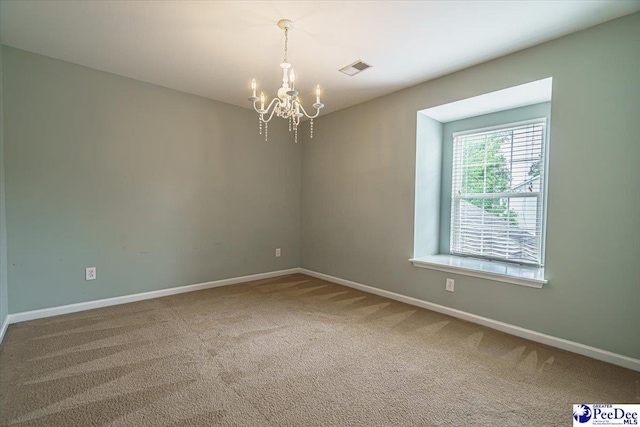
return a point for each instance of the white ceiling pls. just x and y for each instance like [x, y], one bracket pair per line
[213, 49]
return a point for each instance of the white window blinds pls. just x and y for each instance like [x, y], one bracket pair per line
[497, 192]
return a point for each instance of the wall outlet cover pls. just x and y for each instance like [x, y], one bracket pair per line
[450, 285]
[90, 273]
[278, 252]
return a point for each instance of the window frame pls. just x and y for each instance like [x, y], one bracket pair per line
[541, 194]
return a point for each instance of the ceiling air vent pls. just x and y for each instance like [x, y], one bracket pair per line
[355, 68]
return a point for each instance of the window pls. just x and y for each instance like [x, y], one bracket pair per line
[480, 189]
[497, 192]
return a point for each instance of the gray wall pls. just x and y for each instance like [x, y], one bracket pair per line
[154, 187]
[359, 181]
[4, 306]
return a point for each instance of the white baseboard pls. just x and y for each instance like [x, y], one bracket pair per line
[585, 350]
[3, 328]
[89, 305]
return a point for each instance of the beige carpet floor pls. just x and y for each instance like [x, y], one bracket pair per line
[292, 350]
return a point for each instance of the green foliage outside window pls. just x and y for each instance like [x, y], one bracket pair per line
[486, 171]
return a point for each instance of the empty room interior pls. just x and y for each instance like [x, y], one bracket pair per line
[384, 213]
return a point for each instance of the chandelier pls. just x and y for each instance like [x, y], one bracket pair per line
[286, 104]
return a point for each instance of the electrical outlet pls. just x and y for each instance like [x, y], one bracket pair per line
[450, 285]
[278, 252]
[90, 273]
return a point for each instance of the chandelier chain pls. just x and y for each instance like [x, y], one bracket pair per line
[286, 44]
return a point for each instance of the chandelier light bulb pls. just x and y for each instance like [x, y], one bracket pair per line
[286, 104]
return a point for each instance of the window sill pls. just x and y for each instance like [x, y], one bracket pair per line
[485, 269]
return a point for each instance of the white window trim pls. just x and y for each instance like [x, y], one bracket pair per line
[499, 271]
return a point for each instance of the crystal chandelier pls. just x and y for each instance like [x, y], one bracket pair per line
[287, 104]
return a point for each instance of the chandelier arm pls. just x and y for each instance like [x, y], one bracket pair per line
[307, 114]
[267, 110]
